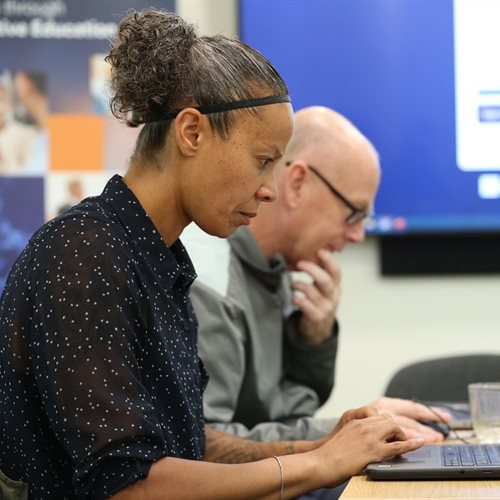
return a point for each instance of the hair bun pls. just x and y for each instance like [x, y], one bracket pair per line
[148, 58]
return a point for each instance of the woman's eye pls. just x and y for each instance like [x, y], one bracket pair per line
[265, 161]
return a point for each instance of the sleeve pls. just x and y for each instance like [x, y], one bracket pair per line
[86, 361]
[312, 366]
[221, 346]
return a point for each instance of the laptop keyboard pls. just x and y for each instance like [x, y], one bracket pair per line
[471, 455]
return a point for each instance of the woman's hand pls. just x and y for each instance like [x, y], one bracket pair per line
[361, 437]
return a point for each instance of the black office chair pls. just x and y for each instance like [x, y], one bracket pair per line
[444, 379]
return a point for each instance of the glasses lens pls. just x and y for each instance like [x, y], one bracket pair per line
[358, 216]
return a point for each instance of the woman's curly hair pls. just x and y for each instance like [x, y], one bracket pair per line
[160, 63]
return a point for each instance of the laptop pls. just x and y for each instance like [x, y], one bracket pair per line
[453, 461]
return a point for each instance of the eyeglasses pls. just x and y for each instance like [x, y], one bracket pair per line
[357, 214]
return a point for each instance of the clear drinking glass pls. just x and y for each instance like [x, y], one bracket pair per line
[484, 399]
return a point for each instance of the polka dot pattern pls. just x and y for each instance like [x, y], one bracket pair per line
[99, 371]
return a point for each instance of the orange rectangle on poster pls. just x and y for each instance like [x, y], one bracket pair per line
[76, 142]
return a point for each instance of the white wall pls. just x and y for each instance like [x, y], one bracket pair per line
[211, 16]
[387, 322]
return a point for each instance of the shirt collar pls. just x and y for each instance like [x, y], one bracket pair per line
[246, 247]
[169, 263]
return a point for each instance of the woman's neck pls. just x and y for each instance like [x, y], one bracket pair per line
[156, 191]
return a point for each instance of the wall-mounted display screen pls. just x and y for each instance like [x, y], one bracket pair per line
[420, 78]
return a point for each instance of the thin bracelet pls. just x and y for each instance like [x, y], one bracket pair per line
[282, 476]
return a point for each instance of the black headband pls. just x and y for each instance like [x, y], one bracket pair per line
[217, 108]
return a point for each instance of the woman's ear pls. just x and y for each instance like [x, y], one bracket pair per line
[293, 187]
[190, 130]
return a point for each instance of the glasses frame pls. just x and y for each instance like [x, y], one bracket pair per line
[357, 214]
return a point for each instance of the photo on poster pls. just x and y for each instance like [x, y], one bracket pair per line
[100, 83]
[66, 189]
[24, 109]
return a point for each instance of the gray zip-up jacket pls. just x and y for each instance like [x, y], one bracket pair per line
[264, 383]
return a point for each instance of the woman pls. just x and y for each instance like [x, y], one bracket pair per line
[101, 384]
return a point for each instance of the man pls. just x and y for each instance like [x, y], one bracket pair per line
[269, 344]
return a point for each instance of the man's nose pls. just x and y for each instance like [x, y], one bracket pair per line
[356, 232]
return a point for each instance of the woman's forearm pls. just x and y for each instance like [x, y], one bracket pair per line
[229, 449]
[189, 479]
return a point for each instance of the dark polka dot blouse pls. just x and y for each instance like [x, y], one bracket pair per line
[99, 372]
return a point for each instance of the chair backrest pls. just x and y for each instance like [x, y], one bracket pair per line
[444, 379]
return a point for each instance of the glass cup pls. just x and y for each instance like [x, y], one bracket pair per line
[484, 399]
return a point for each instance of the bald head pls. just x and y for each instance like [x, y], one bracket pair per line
[325, 148]
[325, 138]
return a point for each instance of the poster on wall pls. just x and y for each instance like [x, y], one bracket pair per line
[59, 143]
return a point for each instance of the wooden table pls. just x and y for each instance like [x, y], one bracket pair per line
[361, 488]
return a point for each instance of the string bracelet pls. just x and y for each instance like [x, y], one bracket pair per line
[282, 476]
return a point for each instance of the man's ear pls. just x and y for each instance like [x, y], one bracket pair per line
[190, 129]
[295, 176]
